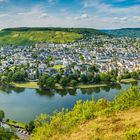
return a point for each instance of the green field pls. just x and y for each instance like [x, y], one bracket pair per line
[26, 85]
[131, 80]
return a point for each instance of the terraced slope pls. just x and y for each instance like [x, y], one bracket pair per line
[27, 36]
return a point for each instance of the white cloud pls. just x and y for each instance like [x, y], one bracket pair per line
[101, 15]
[4, 15]
[83, 16]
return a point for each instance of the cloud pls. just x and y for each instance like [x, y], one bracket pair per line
[83, 16]
[4, 15]
[44, 15]
[35, 12]
[92, 13]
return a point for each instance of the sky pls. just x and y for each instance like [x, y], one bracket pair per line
[98, 14]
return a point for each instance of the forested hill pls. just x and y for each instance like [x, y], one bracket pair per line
[27, 36]
[75, 30]
[126, 32]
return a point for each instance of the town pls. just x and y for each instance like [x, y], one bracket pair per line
[103, 52]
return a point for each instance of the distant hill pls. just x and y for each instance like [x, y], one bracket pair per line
[26, 36]
[126, 32]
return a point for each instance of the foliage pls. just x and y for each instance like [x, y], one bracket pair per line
[64, 81]
[74, 83]
[105, 77]
[128, 32]
[30, 127]
[7, 135]
[18, 77]
[127, 99]
[46, 82]
[132, 134]
[2, 115]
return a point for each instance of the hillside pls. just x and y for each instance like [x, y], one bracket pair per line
[113, 127]
[27, 36]
[101, 120]
[126, 32]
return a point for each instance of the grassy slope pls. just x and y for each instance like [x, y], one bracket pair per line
[25, 36]
[105, 128]
[31, 37]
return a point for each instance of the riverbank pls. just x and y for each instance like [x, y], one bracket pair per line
[34, 85]
[126, 81]
[15, 123]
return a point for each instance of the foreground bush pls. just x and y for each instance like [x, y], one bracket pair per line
[132, 135]
[7, 135]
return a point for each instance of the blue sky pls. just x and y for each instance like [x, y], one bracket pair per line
[100, 14]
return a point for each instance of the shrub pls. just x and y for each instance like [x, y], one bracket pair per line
[132, 134]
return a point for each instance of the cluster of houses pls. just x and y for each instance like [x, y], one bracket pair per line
[103, 52]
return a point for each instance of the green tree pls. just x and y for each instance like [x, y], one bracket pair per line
[42, 81]
[18, 76]
[119, 78]
[74, 83]
[2, 115]
[50, 83]
[64, 81]
[30, 127]
[84, 78]
[105, 77]
[134, 75]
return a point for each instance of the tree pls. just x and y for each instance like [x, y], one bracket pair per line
[134, 75]
[30, 127]
[2, 115]
[64, 81]
[42, 81]
[93, 69]
[4, 80]
[18, 76]
[57, 77]
[84, 78]
[82, 58]
[74, 83]
[119, 78]
[50, 83]
[10, 74]
[105, 77]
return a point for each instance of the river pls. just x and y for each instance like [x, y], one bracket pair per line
[24, 105]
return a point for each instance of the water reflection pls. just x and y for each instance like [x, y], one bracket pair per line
[9, 90]
[72, 92]
[47, 93]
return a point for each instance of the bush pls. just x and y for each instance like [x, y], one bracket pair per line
[127, 99]
[132, 135]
